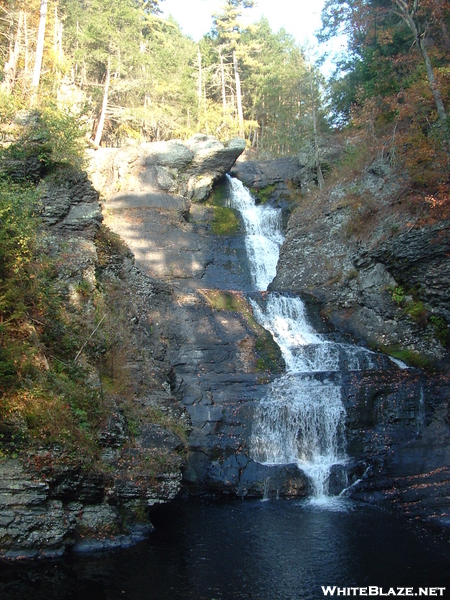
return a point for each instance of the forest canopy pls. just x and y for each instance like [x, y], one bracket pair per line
[126, 73]
[393, 81]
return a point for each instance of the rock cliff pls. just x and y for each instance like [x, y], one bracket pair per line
[375, 266]
[378, 266]
[187, 363]
[52, 498]
[169, 338]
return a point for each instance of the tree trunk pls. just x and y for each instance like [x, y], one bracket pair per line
[10, 68]
[320, 179]
[224, 98]
[58, 37]
[205, 107]
[101, 122]
[40, 44]
[433, 84]
[27, 53]
[199, 79]
[238, 96]
[408, 17]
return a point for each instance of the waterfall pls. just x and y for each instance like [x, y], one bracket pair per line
[263, 236]
[301, 418]
[301, 421]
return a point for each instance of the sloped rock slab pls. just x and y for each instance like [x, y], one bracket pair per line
[147, 200]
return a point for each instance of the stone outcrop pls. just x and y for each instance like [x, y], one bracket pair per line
[398, 437]
[51, 500]
[261, 174]
[370, 264]
[188, 169]
[166, 336]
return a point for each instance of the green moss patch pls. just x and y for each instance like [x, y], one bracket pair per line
[409, 357]
[232, 301]
[219, 195]
[225, 221]
[267, 351]
[264, 194]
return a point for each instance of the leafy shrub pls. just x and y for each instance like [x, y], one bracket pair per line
[398, 294]
[441, 329]
[45, 138]
[418, 312]
[18, 243]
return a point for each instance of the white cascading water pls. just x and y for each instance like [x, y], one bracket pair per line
[301, 419]
[263, 234]
[304, 351]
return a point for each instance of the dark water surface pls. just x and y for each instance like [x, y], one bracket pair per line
[274, 550]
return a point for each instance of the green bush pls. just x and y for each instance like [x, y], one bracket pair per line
[45, 139]
[65, 135]
[441, 329]
[18, 244]
[398, 294]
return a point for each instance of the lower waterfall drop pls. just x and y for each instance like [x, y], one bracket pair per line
[301, 421]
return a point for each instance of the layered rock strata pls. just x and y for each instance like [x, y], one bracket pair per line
[50, 499]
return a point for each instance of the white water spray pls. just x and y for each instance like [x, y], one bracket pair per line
[301, 421]
[303, 350]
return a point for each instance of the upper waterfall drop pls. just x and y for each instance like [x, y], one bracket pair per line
[263, 233]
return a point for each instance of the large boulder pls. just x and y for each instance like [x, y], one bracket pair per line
[189, 169]
[259, 174]
[173, 154]
[212, 156]
[71, 205]
[212, 159]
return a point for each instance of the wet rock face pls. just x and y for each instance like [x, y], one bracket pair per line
[371, 269]
[398, 434]
[278, 181]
